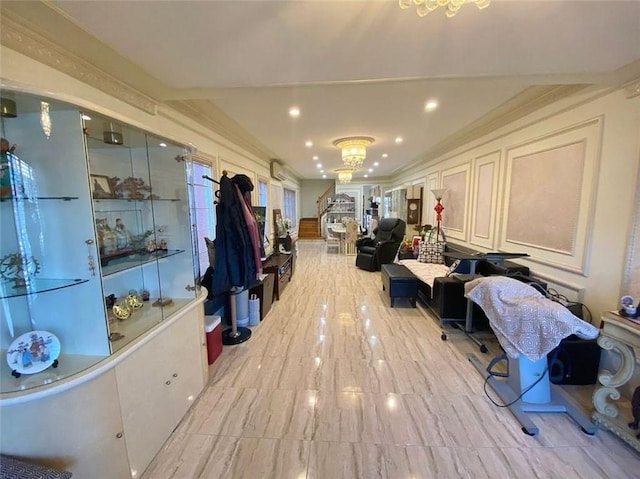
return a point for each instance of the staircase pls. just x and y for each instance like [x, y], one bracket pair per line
[308, 228]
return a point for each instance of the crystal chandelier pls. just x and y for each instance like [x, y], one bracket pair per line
[424, 7]
[354, 150]
[345, 175]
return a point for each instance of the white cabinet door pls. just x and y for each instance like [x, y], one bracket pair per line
[185, 367]
[79, 430]
[157, 384]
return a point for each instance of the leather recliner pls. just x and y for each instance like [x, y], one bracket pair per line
[372, 253]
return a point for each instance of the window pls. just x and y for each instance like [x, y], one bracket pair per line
[289, 207]
[263, 200]
[204, 209]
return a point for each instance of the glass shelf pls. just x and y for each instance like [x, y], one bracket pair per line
[7, 290]
[134, 259]
[98, 200]
[29, 198]
[68, 365]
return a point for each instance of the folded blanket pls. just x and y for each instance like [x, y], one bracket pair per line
[523, 319]
[425, 272]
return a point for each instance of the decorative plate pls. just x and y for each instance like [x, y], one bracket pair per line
[33, 352]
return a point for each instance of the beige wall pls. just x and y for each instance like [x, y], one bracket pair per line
[311, 190]
[603, 180]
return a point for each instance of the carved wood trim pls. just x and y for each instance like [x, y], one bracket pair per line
[27, 42]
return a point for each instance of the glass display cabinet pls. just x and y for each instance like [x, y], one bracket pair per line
[96, 241]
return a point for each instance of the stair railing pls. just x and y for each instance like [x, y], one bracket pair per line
[323, 204]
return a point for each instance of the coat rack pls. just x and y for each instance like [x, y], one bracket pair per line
[236, 334]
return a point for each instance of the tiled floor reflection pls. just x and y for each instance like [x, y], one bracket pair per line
[336, 384]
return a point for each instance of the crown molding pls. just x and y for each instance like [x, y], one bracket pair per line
[632, 90]
[24, 40]
[527, 102]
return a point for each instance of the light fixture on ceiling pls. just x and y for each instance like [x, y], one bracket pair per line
[424, 7]
[112, 133]
[354, 150]
[431, 105]
[345, 175]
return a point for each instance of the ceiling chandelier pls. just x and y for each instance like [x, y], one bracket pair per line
[345, 175]
[424, 7]
[354, 150]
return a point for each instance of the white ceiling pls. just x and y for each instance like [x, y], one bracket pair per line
[359, 67]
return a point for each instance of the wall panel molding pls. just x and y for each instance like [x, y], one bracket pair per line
[486, 170]
[429, 200]
[456, 201]
[553, 176]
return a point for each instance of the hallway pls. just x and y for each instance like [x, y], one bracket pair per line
[335, 384]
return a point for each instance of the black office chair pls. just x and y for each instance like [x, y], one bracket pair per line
[372, 253]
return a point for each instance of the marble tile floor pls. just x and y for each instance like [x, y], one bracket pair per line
[336, 384]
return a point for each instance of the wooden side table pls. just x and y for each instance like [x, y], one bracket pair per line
[281, 266]
[621, 335]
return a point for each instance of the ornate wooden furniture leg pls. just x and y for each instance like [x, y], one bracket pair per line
[621, 336]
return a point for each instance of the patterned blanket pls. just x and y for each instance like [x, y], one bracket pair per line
[426, 272]
[523, 319]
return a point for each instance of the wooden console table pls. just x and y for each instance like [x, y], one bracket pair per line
[621, 335]
[281, 266]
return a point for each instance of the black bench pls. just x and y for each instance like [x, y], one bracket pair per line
[399, 282]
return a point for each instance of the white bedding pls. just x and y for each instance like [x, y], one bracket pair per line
[426, 272]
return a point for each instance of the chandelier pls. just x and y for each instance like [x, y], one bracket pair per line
[354, 150]
[424, 7]
[345, 175]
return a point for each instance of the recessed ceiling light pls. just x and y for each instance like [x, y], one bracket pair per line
[321, 171]
[294, 112]
[370, 170]
[308, 143]
[366, 176]
[431, 105]
[324, 176]
[399, 139]
[318, 165]
[86, 117]
[163, 145]
[315, 158]
[385, 155]
[375, 163]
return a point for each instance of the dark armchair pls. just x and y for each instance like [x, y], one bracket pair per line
[383, 248]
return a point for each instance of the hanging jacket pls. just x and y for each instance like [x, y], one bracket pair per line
[234, 261]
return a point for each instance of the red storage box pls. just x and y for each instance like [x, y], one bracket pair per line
[213, 330]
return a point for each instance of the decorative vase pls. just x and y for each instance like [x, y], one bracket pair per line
[288, 242]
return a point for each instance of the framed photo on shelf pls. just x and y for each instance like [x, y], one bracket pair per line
[415, 245]
[277, 222]
[101, 187]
